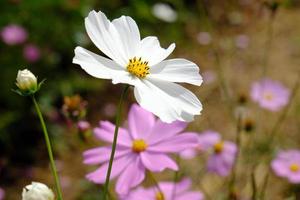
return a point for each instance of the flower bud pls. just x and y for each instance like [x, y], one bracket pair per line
[37, 191]
[26, 81]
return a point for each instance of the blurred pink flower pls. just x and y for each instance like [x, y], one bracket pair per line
[13, 34]
[110, 109]
[204, 38]
[31, 53]
[168, 191]
[242, 41]
[2, 194]
[83, 125]
[144, 145]
[209, 76]
[269, 94]
[287, 164]
[66, 181]
[222, 153]
[205, 141]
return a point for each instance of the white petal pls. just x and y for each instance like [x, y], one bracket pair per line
[176, 70]
[107, 37]
[129, 34]
[167, 100]
[151, 51]
[101, 67]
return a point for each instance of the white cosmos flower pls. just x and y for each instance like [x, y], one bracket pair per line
[37, 191]
[141, 63]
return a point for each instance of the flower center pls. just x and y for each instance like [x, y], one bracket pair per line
[294, 167]
[139, 145]
[159, 196]
[218, 147]
[268, 96]
[138, 67]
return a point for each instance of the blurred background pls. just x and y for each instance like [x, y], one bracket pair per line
[232, 41]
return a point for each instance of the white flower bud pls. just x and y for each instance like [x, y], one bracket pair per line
[26, 81]
[37, 191]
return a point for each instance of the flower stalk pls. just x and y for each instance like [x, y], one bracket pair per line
[114, 144]
[49, 149]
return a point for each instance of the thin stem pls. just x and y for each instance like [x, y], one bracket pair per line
[49, 149]
[284, 113]
[155, 182]
[275, 130]
[253, 185]
[238, 143]
[175, 178]
[268, 43]
[264, 186]
[114, 144]
[219, 68]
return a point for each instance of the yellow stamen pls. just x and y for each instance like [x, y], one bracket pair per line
[218, 147]
[294, 167]
[159, 196]
[268, 96]
[139, 145]
[138, 67]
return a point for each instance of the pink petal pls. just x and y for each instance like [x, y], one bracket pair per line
[133, 175]
[102, 154]
[183, 185]
[207, 139]
[140, 121]
[162, 131]
[106, 133]
[190, 196]
[119, 164]
[294, 177]
[175, 144]
[188, 153]
[157, 162]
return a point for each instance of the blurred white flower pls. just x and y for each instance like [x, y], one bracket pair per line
[37, 191]
[141, 63]
[164, 12]
[26, 81]
[204, 38]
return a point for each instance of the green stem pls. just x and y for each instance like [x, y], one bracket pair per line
[114, 144]
[49, 148]
[175, 178]
[232, 181]
[253, 184]
[155, 181]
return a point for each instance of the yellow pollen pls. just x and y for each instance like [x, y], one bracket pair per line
[159, 196]
[268, 96]
[294, 167]
[218, 147]
[139, 145]
[138, 67]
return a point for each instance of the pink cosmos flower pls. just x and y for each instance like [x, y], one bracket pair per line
[270, 94]
[2, 194]
[168, 191]
[222, 153]
[242, 41]
[206, 141]
[31, 53]
[209, 76]
[13, 34]
[287, 164]
[143, 146]
[83, 125]
[204, 38]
